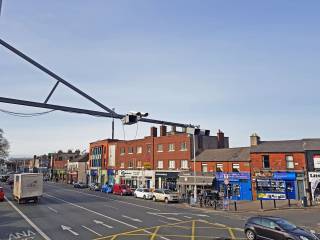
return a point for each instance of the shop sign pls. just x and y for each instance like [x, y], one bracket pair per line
[269, 196]
[235, 176]
[167, 174]
[314, 179]
[316, 161]
[268, 189]
[284, 175]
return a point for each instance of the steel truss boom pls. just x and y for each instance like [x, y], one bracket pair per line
[84, 111]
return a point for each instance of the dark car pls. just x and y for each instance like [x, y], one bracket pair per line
[80, 185]
[94, 187]
[275, 228]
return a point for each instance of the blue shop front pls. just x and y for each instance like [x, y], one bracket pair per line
[280, 186]
[235, 185]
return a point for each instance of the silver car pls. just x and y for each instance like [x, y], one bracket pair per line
[165, 195]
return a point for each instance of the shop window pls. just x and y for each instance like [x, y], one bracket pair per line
[235, 167]
[183, 146]
[160, 164]
[204, 167]
[265, 161]
[289, 161]
[172, 164]
[160, 148]
[130, 164]
[122, 165]
[122, 151]
[149, 148]
[130, 150]
[171, 147]
[139, 164]
[184, 164]
[219, 167]
[139, 149]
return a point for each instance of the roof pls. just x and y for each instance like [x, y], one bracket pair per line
[81, 158]
[311, 144]
[278, 146]
[241, 154]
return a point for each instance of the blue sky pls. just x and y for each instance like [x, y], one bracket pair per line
[239, 66]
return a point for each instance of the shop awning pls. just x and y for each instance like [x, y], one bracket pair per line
[200, 180]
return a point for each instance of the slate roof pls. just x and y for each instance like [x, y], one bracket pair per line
[278, 146]
[311, 144]
[241, 154]
[81, 158]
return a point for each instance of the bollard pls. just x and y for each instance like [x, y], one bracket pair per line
[261, 204]
[235, 206]
[215, 205]
[289, 202]
[274, 203]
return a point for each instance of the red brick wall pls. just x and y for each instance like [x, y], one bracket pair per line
[227, 166]
[60, 164]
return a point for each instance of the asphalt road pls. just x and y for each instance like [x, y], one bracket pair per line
[67, 213]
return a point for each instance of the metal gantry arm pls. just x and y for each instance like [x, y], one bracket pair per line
[109, 112]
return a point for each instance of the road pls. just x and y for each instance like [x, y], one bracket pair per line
[67, 213]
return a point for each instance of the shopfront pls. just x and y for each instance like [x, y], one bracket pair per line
[280, 186]
[166, 180]
[136, 178]
[235, 185]
[111, 177]
[94, 176]
[314, 180]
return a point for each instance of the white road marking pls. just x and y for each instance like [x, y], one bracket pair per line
[220, 225]
[169, 218]
[163, 221]
[53, 210]
[90, 194]
[132, 219]
[91, 211]
[24, 234]
[28, 220]
[200, 215]
[69, 229]
[102, 223]
[112, 207]
[89, 229]
[187, 217]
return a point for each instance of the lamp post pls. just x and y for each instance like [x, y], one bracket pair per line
[194, 168]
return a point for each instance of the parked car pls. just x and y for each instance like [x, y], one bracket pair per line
[1, 194]
[94, 187]
[165, 195]
[263, 227]
[4, 178]
[10, 180]
[122, 189]
[144, 193]
[106, 188]
[80, 185]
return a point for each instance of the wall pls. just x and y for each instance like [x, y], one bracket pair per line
[227, 166]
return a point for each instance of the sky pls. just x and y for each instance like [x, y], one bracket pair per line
[240, 66]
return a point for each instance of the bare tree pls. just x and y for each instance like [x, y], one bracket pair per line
[4, 146]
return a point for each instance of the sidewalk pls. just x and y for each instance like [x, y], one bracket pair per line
[255, 206]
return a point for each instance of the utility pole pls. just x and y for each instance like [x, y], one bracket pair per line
[113, 125]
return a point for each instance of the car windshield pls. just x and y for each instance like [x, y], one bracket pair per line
[167, 191]
[146, 190]
[285, 224]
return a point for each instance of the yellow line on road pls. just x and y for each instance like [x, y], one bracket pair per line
[231, 233]
[155, 233]
[193, 229]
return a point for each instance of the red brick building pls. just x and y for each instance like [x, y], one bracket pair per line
[59, 163]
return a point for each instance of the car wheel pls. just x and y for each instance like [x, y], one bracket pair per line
[250, 235]
[166, 200]
[135, 195]
[154, 199]
[144, 197]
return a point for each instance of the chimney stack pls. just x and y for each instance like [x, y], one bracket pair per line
[163, 130]
[153, 132]
[254, 140]
[220, 136]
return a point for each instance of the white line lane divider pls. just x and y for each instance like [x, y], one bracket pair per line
[91, 211]
[69, 229]
[102, 223]
[35, 227]
[53, 210]
[132, 219]
[90, 230]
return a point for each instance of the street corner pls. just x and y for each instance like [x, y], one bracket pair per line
[192, 229]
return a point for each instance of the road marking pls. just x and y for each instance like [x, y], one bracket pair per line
[159, 215]
[102, 223]
[112, 207]
[69, 229]
[91, 211]
[163, 221]
[187, 217]
[89, 229]
[154, 234]
[24, 235]
[201, 215]
[132, 219]
[53, 210]
[193, 230]
[90, 194]
[28, 220]
[231, 233]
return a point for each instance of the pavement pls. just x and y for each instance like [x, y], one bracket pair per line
[67, 213]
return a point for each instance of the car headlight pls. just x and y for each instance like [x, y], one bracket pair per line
[303, 238]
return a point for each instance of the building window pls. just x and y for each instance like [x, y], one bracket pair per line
[184, 164]
[122, 165]
[172, 164]
[289, 161]
[139, 149]
[130, 164]
[204, 167]
[139, 164]
[130, 150]
[183, 146]
[122, 151]
[160, 164]
[235, 167]
[160, 148]
[219, 167]
[265, 161]
[149, 148]
[171, 147]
